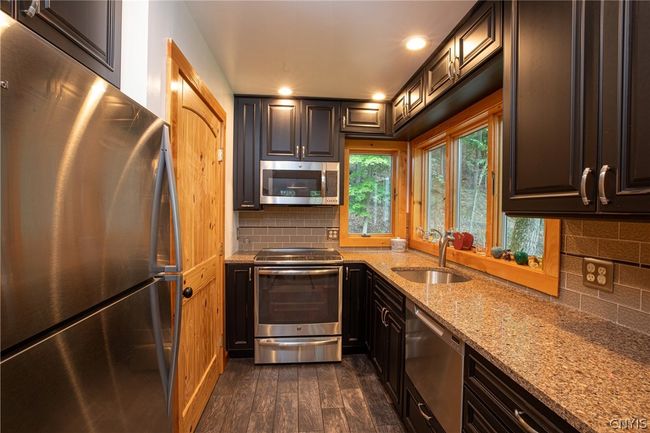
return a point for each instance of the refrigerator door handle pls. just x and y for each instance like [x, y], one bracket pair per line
[178, 302]
[173, 198]
[158, 339]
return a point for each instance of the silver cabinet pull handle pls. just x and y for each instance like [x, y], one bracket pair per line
[522, 422]
[347, 273]
[602, 195]
[457, 67]
[343, 122]
[246, 205]
[303, 152]
[250, 274]
[583, 186]
[297, 151]
[449, 74]
[426, 417]
[33, 9]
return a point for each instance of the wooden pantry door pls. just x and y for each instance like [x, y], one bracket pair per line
[198, 125]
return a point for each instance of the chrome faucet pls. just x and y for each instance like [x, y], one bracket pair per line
[442, 245]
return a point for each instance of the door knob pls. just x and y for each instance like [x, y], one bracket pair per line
[188, 292]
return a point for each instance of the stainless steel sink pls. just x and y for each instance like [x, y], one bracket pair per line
[429, 276]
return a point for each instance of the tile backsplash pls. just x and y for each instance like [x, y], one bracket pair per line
[286, 226]
[627, 244]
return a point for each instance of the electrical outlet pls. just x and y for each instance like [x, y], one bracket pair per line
[332, 234]
[598, 274]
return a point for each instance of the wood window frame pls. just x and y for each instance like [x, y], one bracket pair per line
[485, 112]
[398, 151]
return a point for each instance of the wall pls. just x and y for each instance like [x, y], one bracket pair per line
[625, 243]
[147, 24]
[284, 226]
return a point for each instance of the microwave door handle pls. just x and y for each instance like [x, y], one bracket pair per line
[298, 272]
[323, 183]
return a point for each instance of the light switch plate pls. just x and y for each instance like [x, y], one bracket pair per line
[332, 234]
[598, 274]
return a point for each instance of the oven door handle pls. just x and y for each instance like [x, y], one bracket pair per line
[298, 343]
[298, 272]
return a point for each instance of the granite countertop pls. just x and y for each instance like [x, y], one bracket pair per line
[588, 370]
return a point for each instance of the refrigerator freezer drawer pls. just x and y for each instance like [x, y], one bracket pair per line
[100, 375]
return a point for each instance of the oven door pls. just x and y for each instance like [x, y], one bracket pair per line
[298, 301]
[299, 183]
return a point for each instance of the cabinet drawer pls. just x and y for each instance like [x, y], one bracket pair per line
[508, 401]
[393, 300]
[417, 416]
[477, 418]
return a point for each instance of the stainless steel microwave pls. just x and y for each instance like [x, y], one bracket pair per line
[299, 182]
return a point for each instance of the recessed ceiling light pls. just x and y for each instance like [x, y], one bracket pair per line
[378, 96]
[414, 43]
[285, 91]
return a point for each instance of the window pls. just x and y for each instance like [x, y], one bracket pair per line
[524, 234]
[374, 189]
[455, 185]
[370, 192]
[435, 189]
[471, 202]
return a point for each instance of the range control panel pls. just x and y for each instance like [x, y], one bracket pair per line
[598, 274]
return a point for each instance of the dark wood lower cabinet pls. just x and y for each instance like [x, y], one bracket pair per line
[239, 310]
[388, 335]
[354, 308]
[493, 402]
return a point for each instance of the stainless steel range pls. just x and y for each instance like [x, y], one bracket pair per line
[298, 305]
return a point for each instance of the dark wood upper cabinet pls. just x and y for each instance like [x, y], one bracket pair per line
[625, 68]
[363, 117]
[575, 114]
[438, 75]
[399, 110]
[478, 38]
[549, 107]
[89, 31]
[415, 96]
[248, 122]
[320, 131]
[280, 129]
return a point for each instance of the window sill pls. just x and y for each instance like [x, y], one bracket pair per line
[366, 241]
[542, 279]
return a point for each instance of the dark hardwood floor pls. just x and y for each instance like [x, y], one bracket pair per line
[329, 398]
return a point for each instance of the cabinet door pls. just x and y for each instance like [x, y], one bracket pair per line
[368, 307]
[626, 107]
[354, 308]
[479, 37]
[550, 107]
[248, 122]
[415, 96]
[89, 30]
[363, 117]
[280, 129]
[438, 73]
[394, 358]
[320, 131]
[379, 344]
[399, 111]
[239, 310]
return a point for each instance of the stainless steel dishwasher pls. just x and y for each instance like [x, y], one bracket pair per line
[434, 364]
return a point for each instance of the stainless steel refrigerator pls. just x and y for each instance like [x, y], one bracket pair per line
[89, 340]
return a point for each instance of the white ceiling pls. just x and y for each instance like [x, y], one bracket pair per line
[339, 49]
